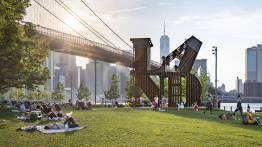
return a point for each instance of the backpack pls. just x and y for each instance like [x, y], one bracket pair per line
[244, 119]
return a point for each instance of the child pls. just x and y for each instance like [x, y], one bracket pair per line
[128, 104]
[181, 106]
[195, 107]
[163, 104]
[154, 104]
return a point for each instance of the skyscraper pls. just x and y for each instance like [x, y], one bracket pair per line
[164, 45]
[253, 70]
[239, 86]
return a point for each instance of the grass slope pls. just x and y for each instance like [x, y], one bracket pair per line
[135, 127]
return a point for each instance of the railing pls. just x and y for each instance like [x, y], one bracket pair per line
[230, 99]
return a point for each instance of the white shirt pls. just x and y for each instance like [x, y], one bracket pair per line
[208, 99]
[239, 99]
[156, 99]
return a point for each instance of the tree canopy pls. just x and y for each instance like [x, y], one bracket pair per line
[113, 91]
[59, 93]
[22, 53]
[83, 92]
[129, 89]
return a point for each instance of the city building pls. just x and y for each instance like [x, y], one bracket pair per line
[164, 45]
[239, 86]
[253, 69]
[253, 89]
[222, 88]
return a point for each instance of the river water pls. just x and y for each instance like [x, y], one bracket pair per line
[253, 106]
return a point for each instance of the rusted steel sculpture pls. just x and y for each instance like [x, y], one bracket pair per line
[186, 53]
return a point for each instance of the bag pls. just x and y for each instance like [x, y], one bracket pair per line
[27, 115]
[33, 116]
[152, 106]
[244, 119]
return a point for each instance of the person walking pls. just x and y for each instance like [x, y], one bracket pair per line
[239, 105]
[209, 105]
[214, 101]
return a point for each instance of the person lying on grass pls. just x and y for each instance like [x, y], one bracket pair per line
[227, 116]
[71, 124]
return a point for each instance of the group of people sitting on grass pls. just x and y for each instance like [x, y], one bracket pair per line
[49, 113]
[83, 106]
[26, 106]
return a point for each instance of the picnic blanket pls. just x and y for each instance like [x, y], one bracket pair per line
[41, 129]
[46, 131]
[45, 118]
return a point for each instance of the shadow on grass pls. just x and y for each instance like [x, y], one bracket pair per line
[189, 113]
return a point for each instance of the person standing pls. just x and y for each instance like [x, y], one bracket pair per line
[214, 102]
[133, 100]
[156, 100]
[218, 104]
[102, 102]
[199, 102]
[163, 104]
[209, 105]
[248, 107]
[239, 106]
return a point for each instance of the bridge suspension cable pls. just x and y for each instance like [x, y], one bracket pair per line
[106, 24]
[59, 19]
[85, 23]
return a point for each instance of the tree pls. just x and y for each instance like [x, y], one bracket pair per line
[83, 93]
[59, 93]
[183, 83]
[38, 93]
[22, 53]
[30, 95]
[18, 94]
[129, 89]
[47, 94]
[204, 84]
[113, 91]
[157, 82]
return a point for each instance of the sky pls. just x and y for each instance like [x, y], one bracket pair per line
[230, 25]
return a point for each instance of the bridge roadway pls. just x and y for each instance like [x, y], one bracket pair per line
[74, 45]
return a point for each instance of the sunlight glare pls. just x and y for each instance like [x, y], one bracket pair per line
[72, 22]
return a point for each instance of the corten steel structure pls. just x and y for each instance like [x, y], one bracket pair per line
[186, 53]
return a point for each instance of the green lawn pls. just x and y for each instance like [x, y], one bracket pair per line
[135, 127]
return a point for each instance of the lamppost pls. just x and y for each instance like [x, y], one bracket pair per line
[95, 76]
[215, 52]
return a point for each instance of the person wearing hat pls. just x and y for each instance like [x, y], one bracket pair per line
[252, 120]
[209, 105]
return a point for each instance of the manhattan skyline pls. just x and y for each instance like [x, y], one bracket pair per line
[231, 26]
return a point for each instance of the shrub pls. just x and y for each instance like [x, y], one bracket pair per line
[13, 102]
[5, 102]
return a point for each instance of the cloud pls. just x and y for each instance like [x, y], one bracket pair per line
[233, 20]
[185, 18]
[178, 21]
[130, 9]
[160, 4]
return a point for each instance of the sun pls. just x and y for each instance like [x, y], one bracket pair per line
[72, 22]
